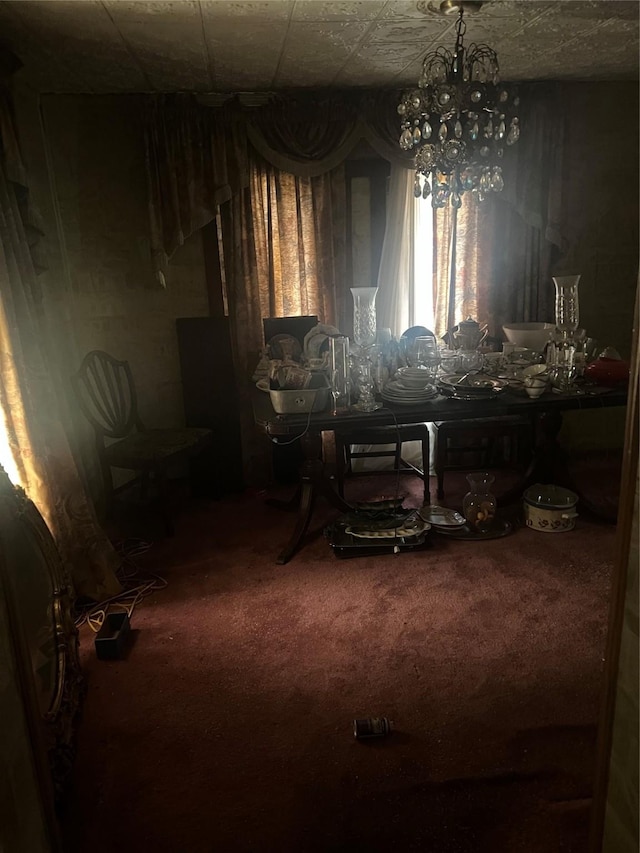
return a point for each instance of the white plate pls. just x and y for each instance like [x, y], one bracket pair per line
[414, 392]
[398, 387]
[263, 385]
[396, 394]
[407, 401]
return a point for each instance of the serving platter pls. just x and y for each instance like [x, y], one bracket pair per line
[474, 383]
[500, 527]
[440, 516]
[472, 386]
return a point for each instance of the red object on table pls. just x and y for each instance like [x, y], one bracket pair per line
[608, 371]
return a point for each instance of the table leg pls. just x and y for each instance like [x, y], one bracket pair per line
[548, 463]
[313, 482]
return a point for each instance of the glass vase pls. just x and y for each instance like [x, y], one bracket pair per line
[567, 305]
[339, 372]
[364, 338]
[561, 354]
[479, 504]
[364, 315]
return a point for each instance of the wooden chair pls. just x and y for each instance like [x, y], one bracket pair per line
[106, 394]
[382, 436]
[395, 435]
[481, 443]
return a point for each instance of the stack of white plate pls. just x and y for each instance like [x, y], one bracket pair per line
[395, 392]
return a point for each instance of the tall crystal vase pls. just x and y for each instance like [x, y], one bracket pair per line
[567, 304]
[561, 354]
[364, 337]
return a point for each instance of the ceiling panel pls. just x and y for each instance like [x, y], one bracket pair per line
[220, 46]
[317, 52]
[337, 10]
[76, 42]
[167, 40]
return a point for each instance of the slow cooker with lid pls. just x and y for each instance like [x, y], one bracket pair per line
[549, 508]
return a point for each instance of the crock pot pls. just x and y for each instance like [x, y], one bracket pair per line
[549, 508]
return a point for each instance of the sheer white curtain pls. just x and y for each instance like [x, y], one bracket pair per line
[405, 280]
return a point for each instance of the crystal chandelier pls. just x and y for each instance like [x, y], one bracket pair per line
[458, 120]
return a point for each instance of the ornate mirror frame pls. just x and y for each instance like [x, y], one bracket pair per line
[43, 604]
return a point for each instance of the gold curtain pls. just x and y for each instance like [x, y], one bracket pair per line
[29, 395]
[460, 264]
[489, 264]
[284, 243]
[195, 160]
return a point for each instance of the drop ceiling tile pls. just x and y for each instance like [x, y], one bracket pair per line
[514, 9]
[255, 10]
[310, 38]
[82, 36]
[403, 32]
[336, 10]
[316, 52]
[248, 55]
[380, 52]
[167, 40]
[137, 45]
[42, 66]
[398, 9]
[143, 11]
[370, 70]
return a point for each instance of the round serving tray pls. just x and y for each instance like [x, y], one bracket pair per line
[501, 527]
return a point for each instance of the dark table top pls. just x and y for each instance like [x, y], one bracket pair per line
[437, 409]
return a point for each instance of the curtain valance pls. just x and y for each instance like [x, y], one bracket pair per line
[312, 133]
[198, 156]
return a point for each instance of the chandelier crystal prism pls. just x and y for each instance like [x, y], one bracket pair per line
[458, 122]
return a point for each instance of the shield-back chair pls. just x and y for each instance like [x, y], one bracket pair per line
[106, 393]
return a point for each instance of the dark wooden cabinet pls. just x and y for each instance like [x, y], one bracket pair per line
[210, 400]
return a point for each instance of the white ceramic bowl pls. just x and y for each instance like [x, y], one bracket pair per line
[536, 390]
[536, 370]
[530, 335]
[411, 377]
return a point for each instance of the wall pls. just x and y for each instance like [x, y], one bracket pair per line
[601, 215]
[600, 192]
[621, 823]
[85, 157]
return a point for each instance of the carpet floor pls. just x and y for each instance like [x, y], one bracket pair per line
[228, 726]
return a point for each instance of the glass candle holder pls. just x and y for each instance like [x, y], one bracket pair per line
[567, 303]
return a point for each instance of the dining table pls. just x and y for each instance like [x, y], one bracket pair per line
[548, 464]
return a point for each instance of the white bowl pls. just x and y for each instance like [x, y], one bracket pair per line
[413, 377]
[530, 335]
[535, 391]
[536, 370]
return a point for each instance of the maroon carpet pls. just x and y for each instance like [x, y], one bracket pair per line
[228, 727]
